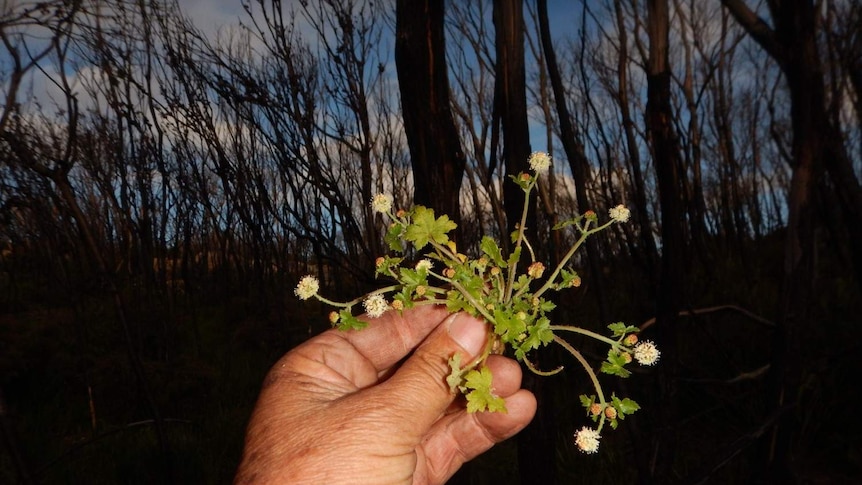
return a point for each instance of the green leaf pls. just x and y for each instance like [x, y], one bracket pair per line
[346, 321]
[405, 296]
[522, 282]
[426, 228]
[624, 406]
[490, 248]
[613, 369]
[395, 237]
[455, 377]
[616, 358]
[566, 223]
[538, 334]
[455, 303]
[546, 305]
[620, 329]
[524, 184]
[566, 279]
[615, 364]
[386, 268]
[514, 257]
[507, 325]
[480, 395]
[411, 277]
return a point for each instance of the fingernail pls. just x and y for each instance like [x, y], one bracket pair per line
[468, 332]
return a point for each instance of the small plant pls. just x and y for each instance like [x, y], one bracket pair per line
[507, 293]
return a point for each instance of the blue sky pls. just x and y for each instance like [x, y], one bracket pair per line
[210, 15]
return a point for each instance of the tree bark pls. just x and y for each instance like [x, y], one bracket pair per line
[536, 450]
[510, 108]
[435, 146]
[666, 158]
[574, 149]
[793, 44]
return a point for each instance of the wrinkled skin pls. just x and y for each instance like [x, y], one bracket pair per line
[347, 407]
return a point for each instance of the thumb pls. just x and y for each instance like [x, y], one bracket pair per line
[418, 390]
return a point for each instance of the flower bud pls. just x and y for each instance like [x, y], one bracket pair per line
[536, 270]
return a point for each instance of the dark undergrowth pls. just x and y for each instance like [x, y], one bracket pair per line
[76, 412]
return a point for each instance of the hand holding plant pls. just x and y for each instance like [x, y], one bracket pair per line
[509, 293]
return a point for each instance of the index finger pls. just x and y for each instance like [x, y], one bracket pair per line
[390, 337]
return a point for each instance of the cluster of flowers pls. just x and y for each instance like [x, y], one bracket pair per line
[491, 288]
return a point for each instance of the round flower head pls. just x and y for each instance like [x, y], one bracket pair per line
[536, 269]
[375, 305]
[307, 287]
[587, 440]
[646, 353]
[381, 203]
[539, 162]
[620, 213]
[424, 265]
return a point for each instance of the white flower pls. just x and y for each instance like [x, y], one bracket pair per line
[539, 162]
[646, 353]
[307, 287]
[587, 440]
[620, 213]
[424, 265]
[381, 203]
[375, 305]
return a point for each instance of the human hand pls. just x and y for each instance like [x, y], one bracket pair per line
[342, 408]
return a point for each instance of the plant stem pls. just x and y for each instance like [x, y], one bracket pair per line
[588, 333]
[521, 227]
[355, 301]
[589, 370]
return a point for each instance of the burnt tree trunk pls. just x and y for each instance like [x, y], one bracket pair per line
[792, 42]
[435, 147]
[574, 148]
[666, 158]
[510, 106]
[536, 451]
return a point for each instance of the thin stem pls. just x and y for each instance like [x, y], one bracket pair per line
[585, 232]
[521, 227]
[476, 304]
[356, 301]
[535, 370]
[588, 333]
[444, 251]
[593, 377]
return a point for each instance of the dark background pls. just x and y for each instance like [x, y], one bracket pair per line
[162, 191]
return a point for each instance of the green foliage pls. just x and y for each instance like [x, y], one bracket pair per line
[503, 289]
[479, 392]
[615, 364]
[425, 228]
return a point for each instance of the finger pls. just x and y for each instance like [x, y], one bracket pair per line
[506, 374]
[390, 337]
[356, 359]
[418, 392]
[460, 437]
[506, 381]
